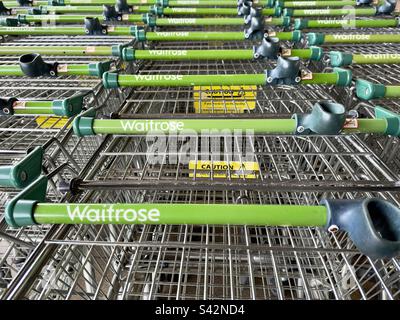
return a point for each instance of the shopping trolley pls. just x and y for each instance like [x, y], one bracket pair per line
[205, 261]
[33, 125]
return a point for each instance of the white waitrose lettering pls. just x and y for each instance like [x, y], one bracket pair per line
[150, 125]
[107, 214]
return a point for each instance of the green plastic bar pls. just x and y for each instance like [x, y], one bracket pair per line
[193, 54]
[361, 12]
[70, 69]
[260, 126]
[35, 107]
[211, 21]
[376, 23]
[146, 9]
[199, 21]
[112, 30]
[123, 80]
[318, 4]
[392, 91]
[9, 4]
[64, 18]
[172, 3]
[72, 9]
[88, 9]
[11, 70]
[70, 31]
[15, 11]
[201, 3]
[212, 11]
[303, 54]
[134, 127]
[190, 80]
[378, 58]
[177, 55]
[160, 213]
[57, 50]
[210, 36]
[355, 38]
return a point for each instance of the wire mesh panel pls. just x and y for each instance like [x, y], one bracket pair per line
[184, 261]
[219, 262]
[64, 153]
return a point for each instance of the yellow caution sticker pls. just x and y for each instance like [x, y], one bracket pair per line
[224, 99]
[224, 169]
[51, 122]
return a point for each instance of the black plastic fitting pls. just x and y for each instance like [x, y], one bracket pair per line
[32, 65]
[386, 8]
[363, 2]
[111, 14]
[122, 6]
[268, 49]
[372, 224]
[94, 27]
[326, 118]
[255, 29]
[243, 10]
[6, 106]
[3, 10]
[254, 12]
[25, 3]
[287, 71]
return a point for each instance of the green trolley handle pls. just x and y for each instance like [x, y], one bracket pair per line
[367, 90]
[24, 172]
[115, 50]
[94, 9]
[157, 10]
[319, 4]
[32, 65]
[149, 20]
[339, 59]
[70, 31]
[129, 54]
[141, 35]
[300, 24]
[294, 36]
[372, 224]
[68, 107]
[275, 12]
[164, 3]
[326, 118]
[359, 12]
[286, 72]
[321, 38]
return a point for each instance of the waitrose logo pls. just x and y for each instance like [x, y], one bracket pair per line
[151, 125]
[108, 214]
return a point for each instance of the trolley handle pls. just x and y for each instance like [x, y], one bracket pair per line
[372, 224]
[68, 107]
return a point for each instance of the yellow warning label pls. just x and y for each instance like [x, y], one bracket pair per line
[51, 122]
[224, 169]
[224, 99]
